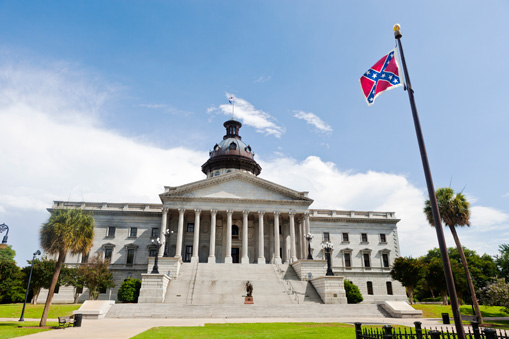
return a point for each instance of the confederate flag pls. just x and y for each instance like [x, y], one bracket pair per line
[382, 76]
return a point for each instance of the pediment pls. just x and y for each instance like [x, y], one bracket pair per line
[236, 185]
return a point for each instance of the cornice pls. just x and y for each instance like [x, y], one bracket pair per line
[237, 201]
[356, 220]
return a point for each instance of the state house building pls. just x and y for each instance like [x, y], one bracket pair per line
[233, 222]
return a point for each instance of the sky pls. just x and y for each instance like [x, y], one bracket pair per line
[111, 101]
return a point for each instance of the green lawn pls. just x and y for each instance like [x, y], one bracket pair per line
[13, 329]
[435, 311]
[253, 331]
[35, 311]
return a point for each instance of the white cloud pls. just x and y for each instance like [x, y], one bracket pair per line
[166, 109]
[485, 219]
[313, 120]
[245, 111]
[505, 195]
[263, 79]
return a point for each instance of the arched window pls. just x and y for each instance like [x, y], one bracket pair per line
[235, 231]
[233, 145]
[217, 173]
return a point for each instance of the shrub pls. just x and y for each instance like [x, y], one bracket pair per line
[129, 291]
[353, 294]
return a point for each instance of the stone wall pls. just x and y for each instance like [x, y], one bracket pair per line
[305, 268]
[331, 289]
[153, 288]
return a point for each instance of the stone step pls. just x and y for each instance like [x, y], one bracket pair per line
[243, 311]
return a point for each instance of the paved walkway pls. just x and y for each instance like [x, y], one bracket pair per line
[126, 328]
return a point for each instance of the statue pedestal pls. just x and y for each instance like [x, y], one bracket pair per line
[248, 300]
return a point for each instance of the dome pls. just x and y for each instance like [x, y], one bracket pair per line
[231, 154]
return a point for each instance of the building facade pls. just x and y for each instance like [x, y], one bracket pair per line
[234, 217]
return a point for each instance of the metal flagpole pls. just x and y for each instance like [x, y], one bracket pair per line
[432, 197]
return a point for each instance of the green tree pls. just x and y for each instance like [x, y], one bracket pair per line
[502, 261]
[408, 271]
[96, 275]
[454, 211]
[11, 282]
[7, 253]
[496, 294]
[129, 290]
[353, 294]
[41, 275]
[67, 231]
[70, 276]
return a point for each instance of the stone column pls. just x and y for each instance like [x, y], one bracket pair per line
[228, 254]
[308, 227]
[212, 245]
[277, 257]
[293, 253]
[261, 245]
[162, 234]
[302, 252]
[245, 236]
[286, 241]
[196, 236]
[180, 233]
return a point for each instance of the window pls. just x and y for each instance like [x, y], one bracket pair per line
[152, 252]
[365, 256]
[79, 290]
[102, 289]
[217, 173]
[130, 256]
[188, 254]
[383, 239]
[84, 258]
[348, 260]
[280, 231]
[364, 237]
[190, 227]
[370, 287]
[111, 231]
[133, 232]
[235, 231]
[389, 287]
[155, 232]
[385, 259]
[233, 145]
[326, 236]
[345, 237]
[108, 253]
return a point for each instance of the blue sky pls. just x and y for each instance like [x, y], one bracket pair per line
[109, 101]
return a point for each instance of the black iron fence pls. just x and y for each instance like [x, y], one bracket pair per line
[388, 332]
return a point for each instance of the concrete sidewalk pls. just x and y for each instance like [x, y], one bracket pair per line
[108, 328]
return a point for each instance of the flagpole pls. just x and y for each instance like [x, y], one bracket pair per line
[432, 197]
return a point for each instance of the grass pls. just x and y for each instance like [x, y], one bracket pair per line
[13, 329]
[255, 330]
[435, 311]
[35, 311]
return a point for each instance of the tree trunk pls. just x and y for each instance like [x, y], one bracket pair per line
[410, 294]
[36, 295]
[475, 303]
[444, 297]
[54, 280]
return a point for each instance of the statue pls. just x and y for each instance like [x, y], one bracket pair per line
[249, 289]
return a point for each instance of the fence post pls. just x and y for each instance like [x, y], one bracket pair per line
[435, 334]
[418, 329]
[358, 331]
[475, 328]
[490, 333]
[387, 332]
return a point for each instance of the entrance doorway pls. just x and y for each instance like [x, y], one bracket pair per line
[235, 255]
[188, 254]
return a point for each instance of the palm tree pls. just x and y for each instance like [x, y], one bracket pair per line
[454, 211]
[67, 230]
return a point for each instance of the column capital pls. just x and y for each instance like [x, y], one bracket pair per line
[261, 213]
[181, 210]
[213, 211]
[197, 210]
[165, 209]
[292, 213]
[229, 212]
[276, 213]
[245, 212]
[306, 214]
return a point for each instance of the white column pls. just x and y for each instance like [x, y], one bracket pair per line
[277, 257]
[301, 239]
[245, 236]
[196, 237]
[180, 233]
[261, 245]
[212, 245]
[293, 253]
[162, 235]
[228, 254]
[306, 218]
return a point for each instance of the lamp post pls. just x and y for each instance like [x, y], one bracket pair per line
[167, 234]
[4, 227]
[327, 247]
[28, 286]
[309, 237]
[157, 244]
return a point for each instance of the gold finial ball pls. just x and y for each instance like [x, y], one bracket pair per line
[396, 27]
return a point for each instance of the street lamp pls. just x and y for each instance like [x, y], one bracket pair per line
[4, 227]
[327, 247]
[28, 286]
[309, 237]
[157, 243]
[167, 234]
